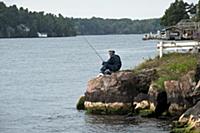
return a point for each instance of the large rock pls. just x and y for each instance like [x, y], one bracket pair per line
[196, 93]
[197, 73]
[180, 92]
[190, 120]
[108, 108]
[121, 86]
[153, 93]
[157, 99]
[141, 102]
[119, 89]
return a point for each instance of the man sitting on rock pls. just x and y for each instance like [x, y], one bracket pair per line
[112, 65]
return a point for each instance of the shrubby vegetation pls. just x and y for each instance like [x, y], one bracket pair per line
[171, 66]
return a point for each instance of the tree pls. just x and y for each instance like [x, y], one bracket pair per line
[198, 11]
[175, 13]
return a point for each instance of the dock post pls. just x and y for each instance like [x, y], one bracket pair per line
[161, 49]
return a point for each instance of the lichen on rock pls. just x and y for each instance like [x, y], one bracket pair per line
[107, 108]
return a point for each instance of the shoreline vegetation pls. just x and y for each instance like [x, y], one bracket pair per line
[21, 23]
[165, 88]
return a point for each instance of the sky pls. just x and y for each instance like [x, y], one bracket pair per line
[133, 9]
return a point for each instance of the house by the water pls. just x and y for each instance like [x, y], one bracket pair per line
[184, 30]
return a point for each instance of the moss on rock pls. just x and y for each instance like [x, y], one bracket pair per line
[80, 104]
[184, 129]
[146, 112]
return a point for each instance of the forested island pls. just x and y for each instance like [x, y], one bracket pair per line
[19, 22]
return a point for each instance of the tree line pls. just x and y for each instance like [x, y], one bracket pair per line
[100, 26]
[179, 10]
[20, 22]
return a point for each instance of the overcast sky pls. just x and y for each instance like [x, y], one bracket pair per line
[134, 9]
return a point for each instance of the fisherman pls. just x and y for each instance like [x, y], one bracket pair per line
[112, 65]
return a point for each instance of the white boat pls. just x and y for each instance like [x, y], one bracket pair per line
[42, 35]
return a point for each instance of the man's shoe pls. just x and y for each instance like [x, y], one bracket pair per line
[100, 74]
[108, 72]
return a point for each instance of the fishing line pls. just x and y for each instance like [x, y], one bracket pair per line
[90, 45]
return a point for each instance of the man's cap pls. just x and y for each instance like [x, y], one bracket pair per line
[111, 51]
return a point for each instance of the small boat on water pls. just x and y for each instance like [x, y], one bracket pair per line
[42, 35]
[152, 36]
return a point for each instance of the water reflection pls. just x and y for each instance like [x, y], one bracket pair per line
[123, 124]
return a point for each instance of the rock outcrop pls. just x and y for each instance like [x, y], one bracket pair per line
[118, 87]
[190, 120]
[151, 92]
[126, 90]
[80, 103]
[180, 93]
[117, 90]
[196, 93]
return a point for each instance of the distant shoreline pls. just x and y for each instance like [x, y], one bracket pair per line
[19, 22]
[67, 36]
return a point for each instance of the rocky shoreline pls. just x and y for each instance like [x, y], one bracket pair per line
[137, 92]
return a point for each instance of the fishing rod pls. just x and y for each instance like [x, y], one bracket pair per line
[93, 48]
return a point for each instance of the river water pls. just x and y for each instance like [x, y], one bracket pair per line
[42, 79]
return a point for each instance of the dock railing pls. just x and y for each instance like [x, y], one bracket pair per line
[176, 46]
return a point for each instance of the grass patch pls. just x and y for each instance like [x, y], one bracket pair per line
[160, 81]
[171, 66]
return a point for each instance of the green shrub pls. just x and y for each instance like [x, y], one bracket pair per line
[170, 67]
